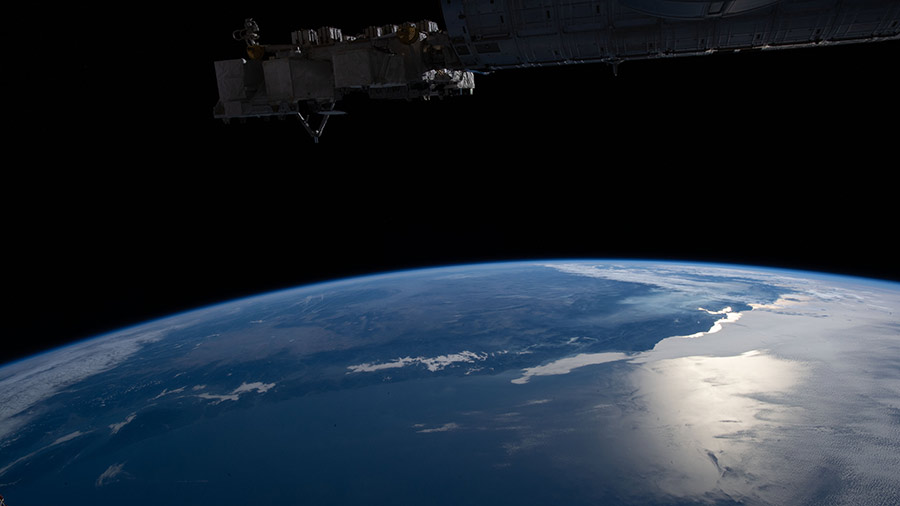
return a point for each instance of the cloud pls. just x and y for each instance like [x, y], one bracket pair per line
[167, 392]
[235, 394]
[689, 279]
[259, 386]
[370, 367]
[25, 384]
[566, 365]
[431, 363]
[57, 441]
[111, 475]
[783, 302]
[705, 415]
[219, 398]
[68, 437]
[680, 278]
[782, 410]
[116, 427]
[730, 317]
[443, 428]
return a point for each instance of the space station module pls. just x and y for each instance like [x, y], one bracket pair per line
[420, 60]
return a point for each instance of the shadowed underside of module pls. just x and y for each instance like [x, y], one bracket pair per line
[418, 60]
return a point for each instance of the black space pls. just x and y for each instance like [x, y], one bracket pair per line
[131, 202]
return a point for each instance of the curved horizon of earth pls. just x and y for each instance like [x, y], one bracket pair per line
[567, 382]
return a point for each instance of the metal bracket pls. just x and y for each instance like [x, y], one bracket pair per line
[327, 113]
[614, 62]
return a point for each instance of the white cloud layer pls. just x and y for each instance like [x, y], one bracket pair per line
[57, 441]
[23, 385]
[447, 427]
[116, 427]
[431, 363]
[168, 392]
[566, 365]
[111, 474]
[257, 386]
[730, 317]
[679, 278]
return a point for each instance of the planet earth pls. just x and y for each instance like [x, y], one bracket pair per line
[522, 383]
